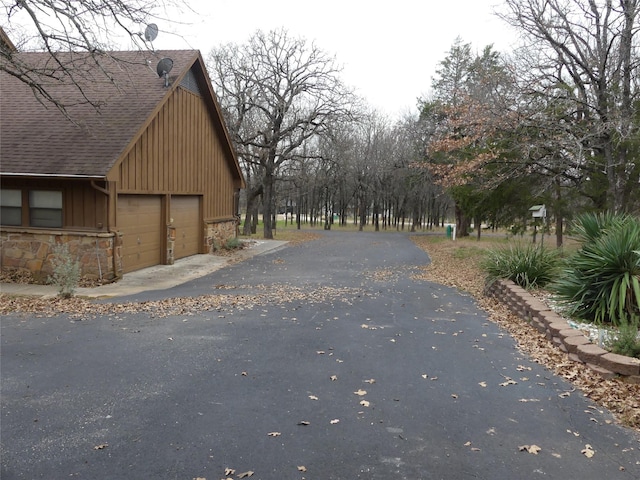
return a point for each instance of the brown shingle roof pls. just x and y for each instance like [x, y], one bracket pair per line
[37, 139]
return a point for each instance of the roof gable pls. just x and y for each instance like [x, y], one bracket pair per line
[125, 93]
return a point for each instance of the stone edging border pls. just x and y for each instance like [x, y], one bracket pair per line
[567, 339]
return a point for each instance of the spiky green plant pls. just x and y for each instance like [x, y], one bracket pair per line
[602, 280]
[528, 265]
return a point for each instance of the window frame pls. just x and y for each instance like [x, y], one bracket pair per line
[35, 212]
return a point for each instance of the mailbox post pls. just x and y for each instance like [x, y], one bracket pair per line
[538, 211]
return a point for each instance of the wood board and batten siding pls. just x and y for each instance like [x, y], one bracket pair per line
[178, 156]
[179, 153]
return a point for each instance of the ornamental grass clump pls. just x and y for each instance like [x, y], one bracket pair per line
[528, 265]
[601, 282]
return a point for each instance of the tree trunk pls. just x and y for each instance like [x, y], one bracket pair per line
[462, 223]
[252, 209]
[376, 215]
[267, 202]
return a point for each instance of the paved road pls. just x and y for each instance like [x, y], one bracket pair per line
[275, 383]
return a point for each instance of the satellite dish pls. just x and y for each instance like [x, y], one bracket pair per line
[164, 67]
[151, 32]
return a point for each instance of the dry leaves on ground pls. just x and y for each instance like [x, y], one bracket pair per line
[262, 295]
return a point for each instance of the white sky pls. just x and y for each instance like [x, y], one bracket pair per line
[389, 50]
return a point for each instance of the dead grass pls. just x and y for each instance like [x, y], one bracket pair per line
[289, 234]
[456, 264]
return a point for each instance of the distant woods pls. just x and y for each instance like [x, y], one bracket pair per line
[554, 122]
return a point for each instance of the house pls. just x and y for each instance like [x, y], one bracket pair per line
[134, 168]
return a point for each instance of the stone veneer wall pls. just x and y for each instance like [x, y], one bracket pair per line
[218, 233]
[99, 253]
[567, 339]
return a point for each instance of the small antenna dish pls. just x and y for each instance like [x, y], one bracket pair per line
[164, 67]
[151, 32]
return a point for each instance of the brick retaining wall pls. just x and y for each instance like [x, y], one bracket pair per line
[569, 340]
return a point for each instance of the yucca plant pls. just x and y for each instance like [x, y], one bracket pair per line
[591, 226]
[602, 280]
[527, 265]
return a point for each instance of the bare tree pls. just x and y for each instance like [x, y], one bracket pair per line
[88, 28]
[278, 92]
[584, 53]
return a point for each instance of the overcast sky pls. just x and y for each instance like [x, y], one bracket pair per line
[389, 50]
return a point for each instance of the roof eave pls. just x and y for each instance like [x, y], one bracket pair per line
[52, 175]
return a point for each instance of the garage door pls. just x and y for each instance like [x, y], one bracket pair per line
[185, 212]
[140, 221]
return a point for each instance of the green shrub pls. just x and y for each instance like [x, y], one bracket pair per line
[66, 271]
[625, 341]
[602, 280]
[527, 265]
[232, 244]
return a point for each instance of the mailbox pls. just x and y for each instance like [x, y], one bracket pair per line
[538, 211]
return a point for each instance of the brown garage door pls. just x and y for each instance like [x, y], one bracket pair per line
[185, 212]
[140, 221]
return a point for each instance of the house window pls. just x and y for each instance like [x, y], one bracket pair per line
[45, 208]
[11, 207]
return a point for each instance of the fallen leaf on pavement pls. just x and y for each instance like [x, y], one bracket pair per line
[302, 468]
[334, 421]
[102, 446]
[483, 384]
[360, 392]
[229, 471]
[370, 381]
[534, 449]
[587, 451]
[313, 397]
[333, 378]
[304, 423]
[364, 403]
[246, 474]
[274, 434]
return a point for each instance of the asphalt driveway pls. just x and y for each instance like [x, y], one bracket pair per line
[325, 360]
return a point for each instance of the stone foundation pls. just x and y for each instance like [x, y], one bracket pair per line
[31, 251]
[218, 233]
